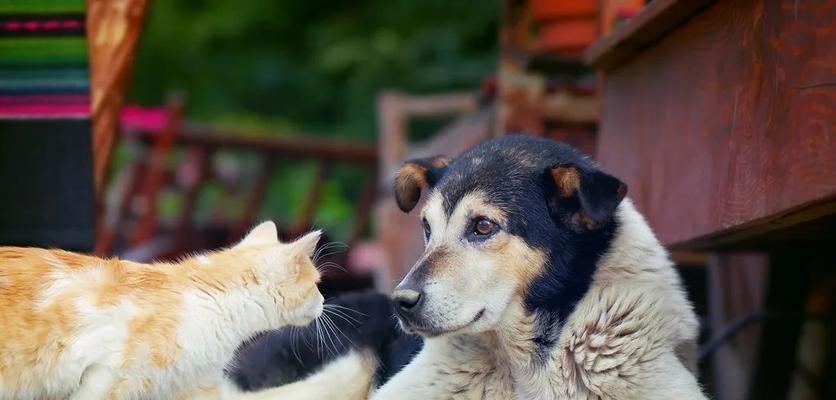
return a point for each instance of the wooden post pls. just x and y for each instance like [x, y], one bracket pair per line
[113, 29]
[201, 159]
[254, 200]
[363, 210]
[157, 167]
[305, 220]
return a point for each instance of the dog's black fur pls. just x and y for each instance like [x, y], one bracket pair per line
[514, 172]
[280, 357]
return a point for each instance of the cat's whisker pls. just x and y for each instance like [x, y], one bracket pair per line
[324, 267]
[341, 332]
[329, 327]
[349, 309]
[328, 249]
[326, 253]
[347, 318]
[316, 324]
[294, 334]
[322, 257]
[342, 312]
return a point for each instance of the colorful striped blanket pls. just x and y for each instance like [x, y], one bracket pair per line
[46, 160]
[44, 69]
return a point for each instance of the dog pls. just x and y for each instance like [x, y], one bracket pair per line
[539, 280]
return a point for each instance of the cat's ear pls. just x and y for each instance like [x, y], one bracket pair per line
[264, 233]
[306, 245]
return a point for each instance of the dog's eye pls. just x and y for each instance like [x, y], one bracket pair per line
[484, 226]
[427, 230]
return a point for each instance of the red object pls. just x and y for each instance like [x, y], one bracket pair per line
[45, 111]
[555, 9]
[568, 35]
[139, 118]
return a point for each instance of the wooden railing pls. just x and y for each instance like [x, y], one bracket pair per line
[133, 224]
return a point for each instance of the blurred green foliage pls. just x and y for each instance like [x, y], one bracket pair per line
[311, 66]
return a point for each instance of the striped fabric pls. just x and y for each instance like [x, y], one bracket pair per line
[44, 71]
[46, 150]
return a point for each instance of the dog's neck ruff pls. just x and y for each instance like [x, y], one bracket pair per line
[633, 319]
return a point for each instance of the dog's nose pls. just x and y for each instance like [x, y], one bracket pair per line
[406, 299]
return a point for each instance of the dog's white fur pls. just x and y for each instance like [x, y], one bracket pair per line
[348, 377]
[631, 336]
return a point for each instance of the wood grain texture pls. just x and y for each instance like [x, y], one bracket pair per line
[648, 26]
[729, 120]
[113, 29]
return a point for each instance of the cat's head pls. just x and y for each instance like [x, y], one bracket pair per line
[285, 271]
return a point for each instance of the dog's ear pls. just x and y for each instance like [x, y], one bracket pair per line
[587, 198]
[417, 174]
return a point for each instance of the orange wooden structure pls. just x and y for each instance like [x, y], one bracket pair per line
[113, 29]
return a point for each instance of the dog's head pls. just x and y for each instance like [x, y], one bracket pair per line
[506, 221]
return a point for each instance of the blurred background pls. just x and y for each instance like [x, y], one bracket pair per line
[150, 130]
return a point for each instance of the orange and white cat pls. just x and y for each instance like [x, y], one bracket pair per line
[79, 327]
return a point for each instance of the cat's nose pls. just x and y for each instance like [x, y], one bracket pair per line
[406, 299]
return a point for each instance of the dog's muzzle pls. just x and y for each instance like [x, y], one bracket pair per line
[408, 301]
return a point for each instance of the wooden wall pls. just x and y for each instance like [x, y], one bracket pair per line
[728, 121]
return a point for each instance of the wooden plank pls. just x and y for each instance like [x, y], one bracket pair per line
[395, 109]
[610, 10]
[266, 143]
[648, 26]
[770, 229]
[728, 123]
[113, 29]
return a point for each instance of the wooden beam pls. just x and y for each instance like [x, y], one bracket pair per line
[651, 23]
[759, 227]
[270, 144]
[113, 29]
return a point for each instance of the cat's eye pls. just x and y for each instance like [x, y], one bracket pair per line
[427, 230]
[484, 226]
